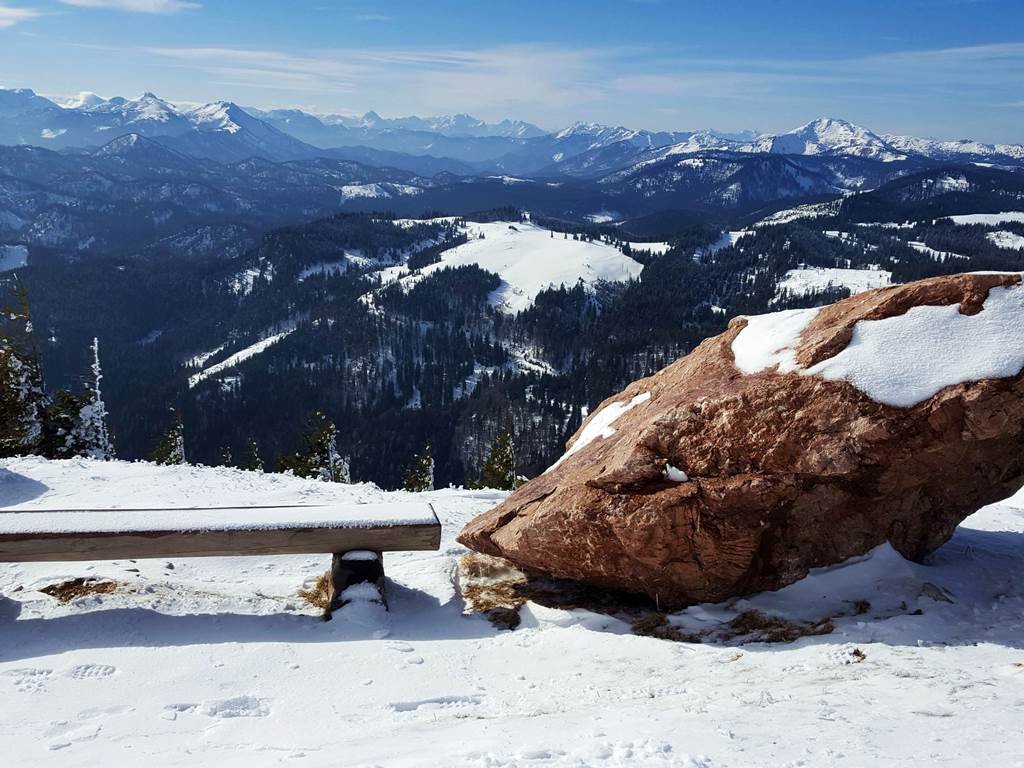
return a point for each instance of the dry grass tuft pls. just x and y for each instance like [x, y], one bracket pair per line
[504, 618]
[490, 586]
[66, 591]
[757, 627]
[498, 589]
[486, 597]
[319, 595]
[657, 625]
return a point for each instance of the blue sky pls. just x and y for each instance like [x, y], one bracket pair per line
[943, 68]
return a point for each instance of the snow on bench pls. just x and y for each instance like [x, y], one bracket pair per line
[355, 534]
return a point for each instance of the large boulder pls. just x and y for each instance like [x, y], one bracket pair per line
[793, 440]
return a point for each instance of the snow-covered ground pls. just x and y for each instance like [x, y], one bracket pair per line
[232, 360]
[210, 661]
[990, 219]
[725, 240]
[940, 256]
[1004, 239]
[808, 211]
[811, 279]
[656, 249]
[528, 260]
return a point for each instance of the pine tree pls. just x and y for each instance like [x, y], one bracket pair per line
[419, 476]
[499, 470]
[251, 458]
[226, 459]
[62, 425]
[319, 457]
[23, 400]
[91, 431]
[171, 448]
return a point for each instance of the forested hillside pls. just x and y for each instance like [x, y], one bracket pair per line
[380, 324]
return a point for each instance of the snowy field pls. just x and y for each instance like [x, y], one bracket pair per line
[1009, 240]
[808, 280]
[528, 260]
[216, 661]
[990, 219]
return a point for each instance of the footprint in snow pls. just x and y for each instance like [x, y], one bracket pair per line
[63, 734]
[90, 671]
[29, 680]
[438, 702]
[237, 706]
[94, 713]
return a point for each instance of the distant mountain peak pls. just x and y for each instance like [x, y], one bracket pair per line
[84, 100]
[829, 136]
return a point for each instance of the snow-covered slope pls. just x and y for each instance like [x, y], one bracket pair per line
[1009, 240]
[528, 260]
[220, 131]
[828, 136]
[989, 219]
[238, 357]
[215, 660]
[964, 149]
[799, 282]
[513, 146]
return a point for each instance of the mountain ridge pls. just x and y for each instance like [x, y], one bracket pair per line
[225, 131]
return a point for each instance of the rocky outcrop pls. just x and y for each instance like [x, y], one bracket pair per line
[751, 460]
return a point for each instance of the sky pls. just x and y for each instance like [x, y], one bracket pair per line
[935, 68]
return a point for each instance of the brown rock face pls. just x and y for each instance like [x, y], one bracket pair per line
[785, 472]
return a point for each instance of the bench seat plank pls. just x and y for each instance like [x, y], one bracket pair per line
[28, 536]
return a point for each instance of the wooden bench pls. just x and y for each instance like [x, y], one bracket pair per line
[354, 534]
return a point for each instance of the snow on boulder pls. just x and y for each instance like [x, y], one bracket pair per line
[793, 440]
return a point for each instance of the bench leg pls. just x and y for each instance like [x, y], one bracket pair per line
[352, 568]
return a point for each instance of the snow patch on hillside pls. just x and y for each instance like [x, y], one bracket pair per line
[800, 282]
[326, 268]
[940, 256]
[655, 249]
[990, 219]
[241, 355]
[383, 190]
[725, 240]
[807, 211]
[528, 260]
[1009, 240]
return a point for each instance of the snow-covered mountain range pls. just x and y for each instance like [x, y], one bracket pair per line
[226, 132]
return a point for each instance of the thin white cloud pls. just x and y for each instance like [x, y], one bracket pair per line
[10, 16]
[136, 6]
[535, 78]
[372, 17]
[949, 92]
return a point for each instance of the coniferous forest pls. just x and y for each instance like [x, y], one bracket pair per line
[366, 373]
